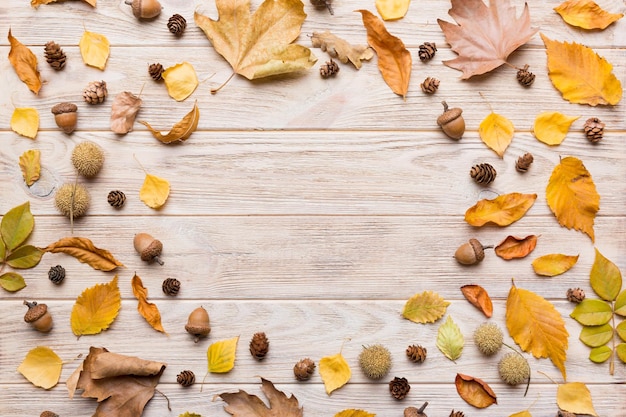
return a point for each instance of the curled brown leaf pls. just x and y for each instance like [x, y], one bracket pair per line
[148, 311]
[479, 298]
[475, 391]
[516, 247]
[85, 251]
[25, 64]
[181, 130]
[123, 112]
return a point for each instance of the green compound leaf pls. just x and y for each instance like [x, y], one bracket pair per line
[16, 226]
[620, 304]
[592, 312]
[595, 336]
[426, 307]
[25, 257]
[605, 278]
[12, 281]
[450, 340]
[621, 352]
[600, 354]
[621, 330]
[3, 250]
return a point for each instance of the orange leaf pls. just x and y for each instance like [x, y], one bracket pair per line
[516, 247]
[553, 264]
[25, 64]
[394, 60]
[148, 311]
[502, 210]
[475, 391]
[586, 14]
[85, 251]
[479, 298]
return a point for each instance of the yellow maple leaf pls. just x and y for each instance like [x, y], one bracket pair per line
[94, 49]
[572, 196]
[42, 367]
[96, 308]
[221, 355]
[148, 311]
[25, 122]
[24, 62]
[553, 264]
[502, 210]
[497, 132]
[581, 75]
[154, 191]
[425, 307]
[536, 326]
[574, 397]
[392, 9]
[552, 127]
[30, 164]
[181, 130]
[180, 80]
[335, 372]
[586, 14]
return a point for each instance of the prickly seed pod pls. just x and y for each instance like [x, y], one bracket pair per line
[416, 412]
[38, 316]
[145, 9]
[514, 369]
[488, 338]
[65, 116]
[148, 247]
[72, 200]
[88, 158]
[48, 414]
[198, 323]
[375, 361]
[470, 253]
[304, 369]
[452, 122]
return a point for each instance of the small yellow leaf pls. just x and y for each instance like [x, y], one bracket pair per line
[392, 9]
[497, 132]
[96, 308]
[425, 307]
[352, 412]
[524, 413]
[502, 210]
[553, 264]
[586, 14]
[148, 311]
[596, 336]
[450, 340]
[42, 367]
[30, 164]
[154, 191]
[25, 122]
[94, 49]
[552, 127]
[24, 62]
[181, 130]
[575, 397]
[180, 80]
[221, 355]
[37, 3]
[335, 372]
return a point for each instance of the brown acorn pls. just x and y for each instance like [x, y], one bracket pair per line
[38, 316]
[145, 9]
[470, 253]
[148, 247]
[65, 116]
[452, 122]
[416, 412]
[48, 414]
[198, 323]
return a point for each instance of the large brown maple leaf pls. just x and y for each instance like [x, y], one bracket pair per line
[485, 35]
[242, 404]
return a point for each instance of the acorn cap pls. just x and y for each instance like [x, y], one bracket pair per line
[197, 330]
[478, 249]
[64, 108]
[448, 115]
[152, 251]
[35, 311]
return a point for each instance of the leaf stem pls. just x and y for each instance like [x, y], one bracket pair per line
[168, 400]
[215, 90]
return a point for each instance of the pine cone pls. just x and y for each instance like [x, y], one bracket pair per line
[329, 69]
[323, 3]
[259, 345]
[48, 414]
[399, 388]
[416, 353]
[565, 414]
[525, 77]
[304, 369]
[430, 85]
[54, 55]
[177, 24]
[56, 274]
[575, 295]
[457, 414]
[483, 173]
[594, 129]
[186, 378]
[427, 51]
[116, 198]
[171, 286]
[96, 92]
[523, 162]
[156, 71]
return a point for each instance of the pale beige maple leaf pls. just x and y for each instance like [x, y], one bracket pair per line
[242, 404]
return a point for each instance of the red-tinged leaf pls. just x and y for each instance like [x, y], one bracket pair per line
[475, 391]
[516, 247]
[479, 298]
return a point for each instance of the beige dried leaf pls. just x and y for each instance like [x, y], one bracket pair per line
[30, 164]
[123, 112]
[341, 49]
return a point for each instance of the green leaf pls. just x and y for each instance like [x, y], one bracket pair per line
[12, 281]
[621, 330]
[16, 226]
[600, 354]
[605, 278]
[592, 312]
[621, 352]
[450, 340]
[425, 307]
[3, 250]
[620, 304]
[25, 257]
[595, 336]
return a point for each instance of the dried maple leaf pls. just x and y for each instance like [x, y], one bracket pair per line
[502, 210]
[425, 307]
[341, 49]
[574, 397]
[475, 391]
[37, 3]
[25, 122]
[553, 264]
[181, 130]
[25, 64]
[123, 112]
[96, 308]
[586, 14]
[258, 45]
[180, 80]
[485, 35]
[479, 298]
[42, 367]
[148, 311]
[552, 127]
[30, 164]
[516, 247]
[335, 372]
[496, 131]
[85, 251]
[242, 404]
[94, 48]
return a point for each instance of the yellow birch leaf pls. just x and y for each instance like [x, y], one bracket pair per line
[37, 3]
[221, 355]
[502, 210]
[605, 278]
[450, 340]
[574, 397]
[181, 130]
[586, 14]
[85, 251]
[25, 64]
[180, 80]
[96, 308]
[524, 413]
[154, 191]
[94, 49]
[552, 127]
[335, 372]
[581, 75]
[553, 264]
[425, 307]
[572, 196]
[42, 367]
[497, 132]
[392, 9]
[352, 412]
[30, 164]
[148, 311]
[536, 326]
[25, 122]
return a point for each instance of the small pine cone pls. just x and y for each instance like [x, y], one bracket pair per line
[177, 24]
[54, 55]
[525, 77]
[430, 85]
[96, 92]
[156, 71]
[304, 369]
[575, 295]
[48, 414]
[523, 162]
[56, 274]
[259, 345]
[329, 69]
[186, 378]
[483, 173]
[171, 286]
[427, 51]
[116, 198]
[399, 388]
[565, 414]
[457, 414]
[594, 129]
[416, 353]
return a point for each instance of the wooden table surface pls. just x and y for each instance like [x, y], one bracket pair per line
[310, 209]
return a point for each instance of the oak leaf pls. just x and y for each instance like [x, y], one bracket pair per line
[180, 80]
[339, 48]
[502, 210]
[605, 278]
[154, 191]
[96, 308]
[586, 14]
[123, 112]
[30, 164]
[485, 35]
[94, 48]
[242, 404]
[552, 127]
[394, 60]
[148, 311]
[85, 251]
[496, 131]
[392, 9]
[479, 298]
[181, 130]
[475, 391]
[335, 372]
[574, 397]
[352, 412]
[221, 355]
[42, 367]
[572, 196]
[25, 122]
[516, 247]
[24, 62]
[553, 264]
[425, 307]
[37, 3]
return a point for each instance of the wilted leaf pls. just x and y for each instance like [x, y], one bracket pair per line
[16, 225]
[148, 311]
[479, 298]
[181, 130]
[605, 278]
[502, 210]
[621, 352]
[37, 3]
[221, 355]
[341, 49]
[572, 196]
[85, 251]
[180, 80]
[335, 372]
[96, 308]
[516, 247]
[392, 9]
[591, 312]
[94, 49]
[586, 14]
[620, 304]
[450, 340]
[351, 412]
[581, 75]
[575, 397]
[242, 404]
[394, 60]
[496, 131]
[475, 391]
[123, 112]
[600, 354]
[12, 281]
[24, 257]
[524, 413]
[536, 326]
[595, 336]
[42, 367]
[25, 122]
[154, 191]
[25, 64]
[30, 164]
[553, 264]
[551, 127]
[425, 307]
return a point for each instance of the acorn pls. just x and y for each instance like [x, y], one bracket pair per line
[48, 414]
[470, 253]
[416, 412]
[148, 247]
[198, 323]
[65, 116]
[145, 9]
[38, 316]
[452, 122]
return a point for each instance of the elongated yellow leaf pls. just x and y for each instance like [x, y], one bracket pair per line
[450, 340]
[181, 130]
[553, 264]
[181, 80]
[85, 251]
[575, 397]
[154, 191]
[392, 9]
[586, 14]
[25, 122]
[96, 308]
[425, 307]
[221, 355]
[335, 372]
[42, 367]
[605, 278]
[16, 225]
[552, 127]
[502, 210]
[352, 412]
[591, 312]
[30, 164]
[94, 49]
[148, 311]
[497, 132]
[24, 62]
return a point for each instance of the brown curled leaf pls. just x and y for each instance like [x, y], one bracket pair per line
[516, 247]
[181, 130]
[475, 391]
[25, 64]
[85, 251]
[123, 112]
[148, 311]
[479, 298]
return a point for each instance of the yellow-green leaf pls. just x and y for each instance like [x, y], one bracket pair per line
[154, 191]
[497, 132]
[30, 164]
[524, 413]
[620, 304]
[25, 257]
[594, 336]
[25, 122]
[621, 330]
[42, 367]
[450, 340]
[551, 127]
[392, 9]
[12, 281]
[592, 312]
[502, 210]
[96, 308]
[181, 80]
[221, 355]
[575, 397]
[425, 307]
[85, 251]
[605, 278]
[553, 264]
[181, 130]
[352, 412]
[3, 249]
[188, 414]
[17, 224]
[94, 49]
[586, 14]
[335, 372]
[621, 352]
[600, 354]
